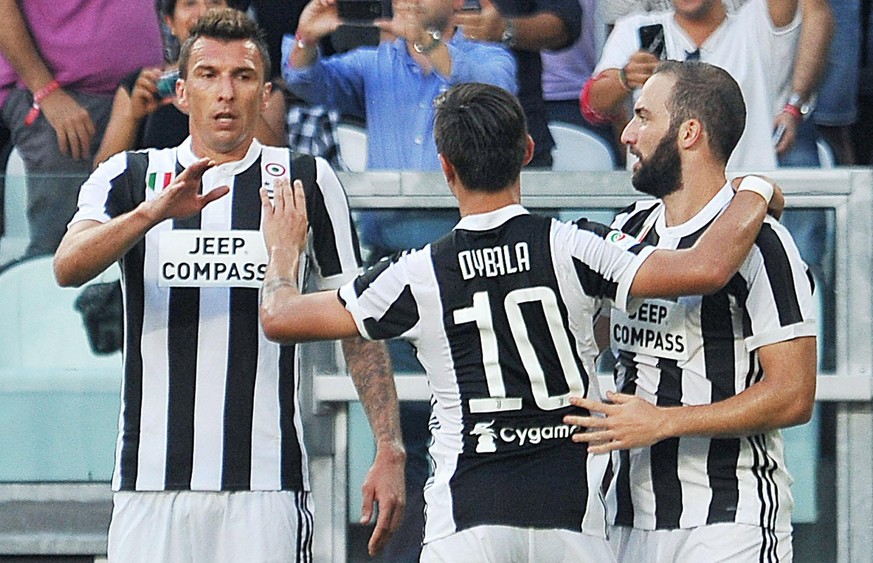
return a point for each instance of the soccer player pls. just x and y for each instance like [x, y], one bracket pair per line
[706, 381]
[500, 313]
[211, 464]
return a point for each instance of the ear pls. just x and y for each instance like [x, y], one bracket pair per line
[182, 94]
[268, 89]
[690, 134]
[169, 21]
[449, 172]
[529, 151]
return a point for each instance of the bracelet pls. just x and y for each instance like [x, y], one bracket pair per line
[38, 97]
[793, 111]
[622, 78]
[758, 185]
[435, 38]
[299, 42]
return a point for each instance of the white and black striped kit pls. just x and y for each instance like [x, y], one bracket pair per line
[500, 312]
[208, 403]
[699, 350]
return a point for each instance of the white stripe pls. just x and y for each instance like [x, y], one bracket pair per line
[211, 383]
[156, 379]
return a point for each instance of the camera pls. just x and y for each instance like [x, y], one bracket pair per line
[359, 11]
[167, 84]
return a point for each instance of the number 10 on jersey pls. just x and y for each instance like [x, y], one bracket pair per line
[480, 313]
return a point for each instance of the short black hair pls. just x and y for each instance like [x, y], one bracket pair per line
[481, 130]
[225, 24]
[710, 94]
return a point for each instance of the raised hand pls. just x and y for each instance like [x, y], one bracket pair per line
[182, 198]
[284, 220]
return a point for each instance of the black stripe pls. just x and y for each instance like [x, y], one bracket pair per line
[126, 192]
[781, 278]
[322, 232]
[292, 475]
[717, 332]
[593, 284]
[665, 454]
[625, 512]
[182, 326]
[401, 316]
[242, 354]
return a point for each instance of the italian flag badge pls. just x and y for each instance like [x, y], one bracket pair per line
[159, 180]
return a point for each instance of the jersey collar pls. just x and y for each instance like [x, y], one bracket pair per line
[709, 212]
[491, 219]
[187, 157]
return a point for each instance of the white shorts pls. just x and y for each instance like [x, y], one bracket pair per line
[507, 544]
[728, 542]
[210, 527]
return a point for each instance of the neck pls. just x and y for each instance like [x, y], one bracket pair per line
[475, 202]
[697, 189]
[237, 153]
[700, 27]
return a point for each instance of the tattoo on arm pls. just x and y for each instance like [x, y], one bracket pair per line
[370, 368]
[272, 286]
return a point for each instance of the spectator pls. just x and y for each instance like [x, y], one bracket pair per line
[566, 71]
[504, 347]
[61, 62]
[145, 114]
[836, 106]
[393, 86]
[527, 28]
[755, 45]
[211, 464]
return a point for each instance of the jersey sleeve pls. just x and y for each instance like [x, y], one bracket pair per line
[605, 261]
[381, 300]
[334, 246]
[779, 303]
[94, 193]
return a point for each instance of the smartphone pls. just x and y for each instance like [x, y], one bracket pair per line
[471, 6]
[359, 11]
[652, 40]
[167, 84]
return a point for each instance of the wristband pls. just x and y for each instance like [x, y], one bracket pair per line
[298, 40]
[793, 111]
[38, 97]
[758, 185]
[622, 77]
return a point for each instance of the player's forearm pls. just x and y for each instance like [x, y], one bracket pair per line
[370, 369]
[90, 247]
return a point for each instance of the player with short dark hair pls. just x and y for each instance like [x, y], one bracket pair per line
[705, 381]
[210, 463]
[500, 312]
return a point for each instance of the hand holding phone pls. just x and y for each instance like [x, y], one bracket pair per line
[652, 40]
[359, 12]
[166, 84]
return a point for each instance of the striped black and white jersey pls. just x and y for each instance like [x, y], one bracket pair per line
[500, 313]
[699, 350]
[207, 402]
